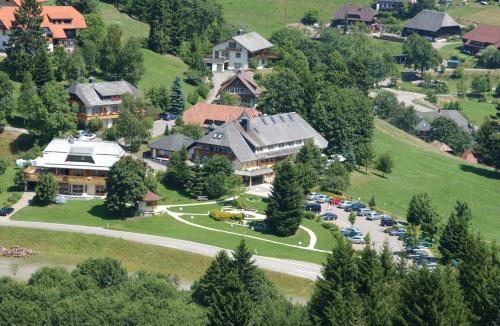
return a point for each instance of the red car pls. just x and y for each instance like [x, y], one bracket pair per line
[335, 201]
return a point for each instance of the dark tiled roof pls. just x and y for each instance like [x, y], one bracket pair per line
[431, 20]
[365, 13]
[98, 94]
[172, 143]
[249, 83]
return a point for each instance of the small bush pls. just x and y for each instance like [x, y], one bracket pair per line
[203, 89]
[310, 17]
[239, 204]
[226, 216]
[193, 77]
[94, 125]
[14, 198]
[458, 73]
[193, 97]
[309, 215]
[111, 134]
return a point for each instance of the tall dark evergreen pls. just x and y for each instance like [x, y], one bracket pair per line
[334, 300]
[431, 298]
[455, 233]
[387, 263]
[196, 183]
[178, 172]
[480, 280]
[43, 71]
[176, 97]
[160, 22]
[26, 38]
[284, 211]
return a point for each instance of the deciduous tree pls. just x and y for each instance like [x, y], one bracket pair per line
[125, 184]
[487, 147]
[385, 163]
[132, 124]
[46, 189]
[420, 53]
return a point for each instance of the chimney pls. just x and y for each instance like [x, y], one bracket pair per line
[91, 80]
[244, 123]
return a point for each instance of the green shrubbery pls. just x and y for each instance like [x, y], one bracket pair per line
[226, 216]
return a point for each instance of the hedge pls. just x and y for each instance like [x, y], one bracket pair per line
[226, 216]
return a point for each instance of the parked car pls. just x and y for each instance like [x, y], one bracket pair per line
[86, 135]
[358, 239]
[168, 116]
[6, 211]
[397, 232]
[364, 211]
[312, 195]
[354, 207]
[328, 216]
[321, 199]
[344, 204]
[387, 221]
[335, 201]
[373, 216]
[313, 207]
[349, 229]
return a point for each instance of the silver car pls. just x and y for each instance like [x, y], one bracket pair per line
[358, 239]
[372, 216]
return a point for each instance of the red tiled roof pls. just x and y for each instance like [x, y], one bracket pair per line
[77, 21]
[469, 156]
[151, 197]
[18, 2]
[200, 112]
[484, 34]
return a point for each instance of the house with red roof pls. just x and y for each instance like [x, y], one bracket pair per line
[60, 25]
[14, 3]
[213, 115]
[480, 37]
[243, 87]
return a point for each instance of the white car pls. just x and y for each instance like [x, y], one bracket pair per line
[364, 211]
[357, 239]
[312, 195]
[344, 203]
[321, 199]
[86, 135]
[372, 216]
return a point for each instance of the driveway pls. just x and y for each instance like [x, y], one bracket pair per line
[262, 190]
[416, 99]
[217, 79]
[23, 202]
[159, 127]
[373, 228]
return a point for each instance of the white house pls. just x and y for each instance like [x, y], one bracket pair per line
[80, 167]
[237, 52]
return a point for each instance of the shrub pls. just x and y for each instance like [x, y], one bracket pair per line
[226, 216]
[111, 134]
[239, 204]
[309, 215]
[458, 73]
[203, 89]
[94, 125]
[193, 97]
[3, 165]
[193, 77]
[14, 198]
[310, 17]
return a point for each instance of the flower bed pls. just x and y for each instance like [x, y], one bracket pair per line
[226, 216]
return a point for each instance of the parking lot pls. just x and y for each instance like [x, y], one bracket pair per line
[373, 228]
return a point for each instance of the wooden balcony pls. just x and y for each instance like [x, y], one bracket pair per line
[32, 175]
[102, 116]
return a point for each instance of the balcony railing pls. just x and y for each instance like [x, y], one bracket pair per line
[33, 175]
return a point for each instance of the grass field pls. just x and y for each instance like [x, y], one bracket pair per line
[476, 13]
[267, 16]
[477, 111]
[71, 248]
[454, 50]
[418, 167]
[130, 27]
[93, 213]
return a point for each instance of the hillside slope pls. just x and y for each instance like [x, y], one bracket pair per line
[419, 167]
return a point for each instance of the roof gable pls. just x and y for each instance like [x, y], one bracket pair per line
[484, 33]
[248, 82]
[252, 41]
[431, 20]
[96, 94]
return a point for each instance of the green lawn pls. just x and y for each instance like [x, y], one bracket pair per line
[93, 213]
[454, 50]
[130, 26]
[72, 248]
[267, 16]
[418, 167]
[477, 111]
[476, 13]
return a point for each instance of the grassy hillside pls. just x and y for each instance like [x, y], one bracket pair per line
[72, 248]
[476, 13]
[418, 167]
[266, 16]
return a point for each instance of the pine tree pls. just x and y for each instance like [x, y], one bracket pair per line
[178, 172]
[480, 280]
[28, 103]
[26, 38]
[372, 203]
[431, 298]
[231, 304]
[370, 287]
[176, 97]
[456, 231]
[350, 157]
[334, 300]
[196, 183]
[42, 68]
[387, 263]
[213, 279]
[284, 211]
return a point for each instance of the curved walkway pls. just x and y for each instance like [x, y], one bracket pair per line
[293, 267]
[312, 236]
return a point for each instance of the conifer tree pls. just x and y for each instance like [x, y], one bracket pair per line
[213, 278]
[431, 298]
[350, 157]
[334, 300]
[480, 280]
[178, 171]
[28, 103]
[196, 182]
[387, 263]
[372, 203]
[42, 68]
[284, 211]
[456, 231]
[370, 287]
[421, 212]
[176, 97]
[26, 38]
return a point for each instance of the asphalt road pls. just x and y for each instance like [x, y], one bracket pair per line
[295, 268]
